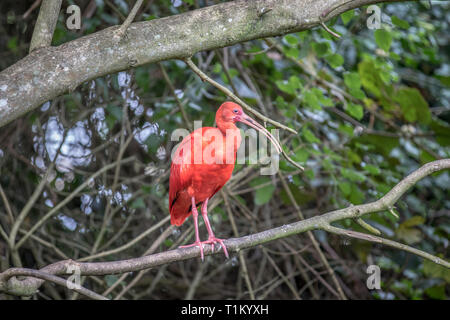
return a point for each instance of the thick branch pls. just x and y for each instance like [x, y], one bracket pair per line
[10, 284]
[49, 72]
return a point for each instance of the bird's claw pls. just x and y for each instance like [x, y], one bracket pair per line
[196, 244]
[212, 241]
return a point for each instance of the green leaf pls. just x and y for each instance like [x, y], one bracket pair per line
[168, 242]
[409, 235]
[347, 16]
[352, 80]
[115, 111]
[414, 221]
[373, 170]
[295, 82]
[335, 60]
[321, 48]
[138, 204]
[352, 175]
[434, 270]
[383, 38]
[358, 93]
[13, 44]
[301, 155]
[399, 22]
[292, 52]
[311, 100]
[407, 232]
[264, 194]
[285, 86]
[382, 144]
[289, 86]
[442, 131]
[355, 110]
[345, 187]
[153, 142]
[291, 39]
[426, 157]
[217, 68]
[310, 136]
[346, 129]
[356, 195]
[413, 105]
[233, 72]
[436, 292]
[309, 173]
[370, 78]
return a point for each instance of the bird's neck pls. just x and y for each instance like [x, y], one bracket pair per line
[231, 133]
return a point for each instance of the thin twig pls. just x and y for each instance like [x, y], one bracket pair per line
[123, 28]
[31, 8]
[391, 243]
[367, 226]
[7, 206]
[329, 30]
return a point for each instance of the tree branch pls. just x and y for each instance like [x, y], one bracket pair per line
[45, 24]
[16, 272]
[51, 71]
[393, 244]
[123, 28]
[10, 284]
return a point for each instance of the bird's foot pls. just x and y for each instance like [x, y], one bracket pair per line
[196, 244]
[213, 240]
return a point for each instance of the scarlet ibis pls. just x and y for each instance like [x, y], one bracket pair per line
[202, 164]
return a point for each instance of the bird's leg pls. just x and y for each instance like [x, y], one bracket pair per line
[197, 237]
[212, 238]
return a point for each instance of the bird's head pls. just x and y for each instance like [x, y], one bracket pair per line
[230, 112]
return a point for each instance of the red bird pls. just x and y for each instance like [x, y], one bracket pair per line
[202, 164]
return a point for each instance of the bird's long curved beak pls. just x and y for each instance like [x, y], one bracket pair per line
[252, 123]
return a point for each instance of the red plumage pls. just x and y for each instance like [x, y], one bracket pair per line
[186, 177]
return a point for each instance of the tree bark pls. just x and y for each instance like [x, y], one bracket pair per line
[51, 71]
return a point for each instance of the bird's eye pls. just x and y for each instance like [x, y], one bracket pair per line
[235, 110]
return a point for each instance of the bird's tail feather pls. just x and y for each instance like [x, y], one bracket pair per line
[180, 210]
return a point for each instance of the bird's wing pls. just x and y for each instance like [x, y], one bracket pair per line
[182, 169]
